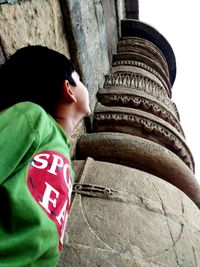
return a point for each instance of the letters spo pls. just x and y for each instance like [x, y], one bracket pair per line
[50, 183]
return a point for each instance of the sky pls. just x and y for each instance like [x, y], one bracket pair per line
[178, 21]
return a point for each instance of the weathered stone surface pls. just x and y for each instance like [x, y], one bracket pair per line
[88, 41]
[141, 221]
[32, 22]
[94, 29]
[12, 1]
[86, 256]
[137, 152]
[111, 25]
[78, 131]
[121, 13]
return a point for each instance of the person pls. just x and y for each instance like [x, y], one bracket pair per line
[42, 100]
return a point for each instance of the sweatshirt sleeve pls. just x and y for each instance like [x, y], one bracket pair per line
[17, 140]
[35, 187]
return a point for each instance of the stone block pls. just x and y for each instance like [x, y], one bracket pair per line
[143, 154]
[143, 221]
[88, 46]
[30, 23]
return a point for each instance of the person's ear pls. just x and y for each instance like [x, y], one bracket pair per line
[68, 92]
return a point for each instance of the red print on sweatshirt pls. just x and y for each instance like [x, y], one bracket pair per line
[50, 184]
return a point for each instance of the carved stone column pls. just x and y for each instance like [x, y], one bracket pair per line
[135, 106]
[135, 187]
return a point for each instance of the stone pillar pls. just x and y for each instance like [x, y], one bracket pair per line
[135, 107]
[136, 197]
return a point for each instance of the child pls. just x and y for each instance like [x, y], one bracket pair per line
[42, 100]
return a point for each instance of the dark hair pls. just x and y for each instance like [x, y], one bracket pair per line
[36, 74]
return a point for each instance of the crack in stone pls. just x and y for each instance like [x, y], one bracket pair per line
[195, 257]
[93, 231]
[88, 246]
[170, 232]
[182, 204]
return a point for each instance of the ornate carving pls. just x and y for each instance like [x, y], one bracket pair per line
[172, 141]
[140, 103]
[146, 67]
[94, 190]
[142, 46]
[141, 83]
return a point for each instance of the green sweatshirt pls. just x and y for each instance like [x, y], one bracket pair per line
[35, 187]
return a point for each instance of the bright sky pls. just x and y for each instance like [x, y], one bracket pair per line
[178, 21]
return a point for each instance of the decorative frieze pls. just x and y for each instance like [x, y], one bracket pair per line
[141, 103]
[145, 67]
[143, 47]
[141, 83]
[127, 123]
